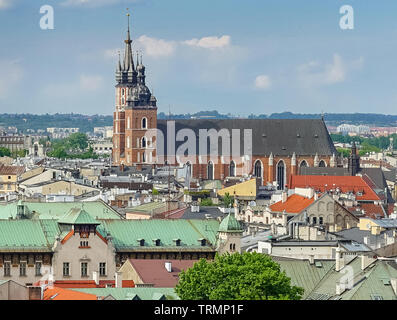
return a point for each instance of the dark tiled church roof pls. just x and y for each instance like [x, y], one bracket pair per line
[282, 137]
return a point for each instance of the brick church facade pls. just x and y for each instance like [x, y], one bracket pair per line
[279, 148]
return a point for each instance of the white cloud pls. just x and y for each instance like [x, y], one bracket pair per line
[10, 76]
[156, 47]
[209, 42]
[5, 4]
[263, 82]
[94, 3]
[111, 54]
[314, 73]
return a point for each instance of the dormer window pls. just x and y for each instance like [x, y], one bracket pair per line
[203, 242]
[156, 242]
[177, 242]
[141, 242]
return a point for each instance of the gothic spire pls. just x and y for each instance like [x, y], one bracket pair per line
[128, 58]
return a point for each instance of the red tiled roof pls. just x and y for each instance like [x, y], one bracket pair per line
[370, 210]
[69, 284]
[56, 293]
[11, 170]
[294, 204]
[153, 271]
[346, 184]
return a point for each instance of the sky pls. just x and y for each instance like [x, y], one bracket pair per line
[239, 57]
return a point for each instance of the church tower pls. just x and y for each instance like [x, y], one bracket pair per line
[135, 115]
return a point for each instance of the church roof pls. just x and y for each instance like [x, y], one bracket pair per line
[282, 137]
[230, 224]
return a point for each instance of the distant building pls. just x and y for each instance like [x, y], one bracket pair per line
[15, 142]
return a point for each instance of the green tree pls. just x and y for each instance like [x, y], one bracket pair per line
[227, 200]
[4, 152]
[78, 140]
[155, 192]
[247, 276]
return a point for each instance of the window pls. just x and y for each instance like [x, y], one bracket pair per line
[7, 269]
[232, 169]
[280, 175]
[22, 269]
[258, 170]
[84, 269]
[9, 187]
[66, 269]
[321, 220]
[144, 123]
[37, 268]
[102, 269]
[314, 220]
[322, 164]
[210, 171]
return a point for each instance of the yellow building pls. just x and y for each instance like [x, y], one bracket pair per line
[377, 226]
[243, 191]
[9, 177]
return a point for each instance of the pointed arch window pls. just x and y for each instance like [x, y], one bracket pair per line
[258, 169]
[280, 175]
[232, 169]
[210, 170]
[322, 164]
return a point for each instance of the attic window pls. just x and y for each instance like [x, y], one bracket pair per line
[156, 242]
[177, 242]
[316, 135]
[376, 297]
[141, 242]
[203, 242]
[264, 135]
[283, 148]
[318, 264]
[298, 135]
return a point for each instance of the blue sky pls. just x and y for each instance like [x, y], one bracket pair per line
[239, 57]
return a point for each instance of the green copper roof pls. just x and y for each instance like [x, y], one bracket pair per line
[78, 216]
[127, 233]
[230, 224]
[133, 293]
[57, 210]
[28, 235]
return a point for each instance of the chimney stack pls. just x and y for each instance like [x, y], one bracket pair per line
[168, 266]
[95, 277]
[366, 261]
[284, 196]
[339, 260]
[118, 279]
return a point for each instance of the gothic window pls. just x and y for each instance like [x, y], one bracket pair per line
[144, 123]
[258, 169]
[232, 169]
[280, 175]
[210, 171]
[322, 164]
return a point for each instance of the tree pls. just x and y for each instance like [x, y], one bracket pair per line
[4, 152]
[247, 276]
[227, 200]
[78, 140]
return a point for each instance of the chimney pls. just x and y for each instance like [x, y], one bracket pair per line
[311, 259]
[118, 279]
[95, 277]
[339, 260]
[315, 196]
[367, 261]
[168, 266]
[393, 282]
[284, 196]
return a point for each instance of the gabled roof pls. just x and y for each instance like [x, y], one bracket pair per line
[56, 293]
[295, 204]
[153, 271]
[78, 216]
[11, 170]
[346, 184]
[278, 136]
